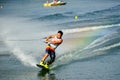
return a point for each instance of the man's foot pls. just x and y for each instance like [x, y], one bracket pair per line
[41, 63]
[46, 66]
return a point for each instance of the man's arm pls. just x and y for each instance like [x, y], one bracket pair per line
[53, 42]
[47, 39]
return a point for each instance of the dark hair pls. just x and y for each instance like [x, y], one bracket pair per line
[60, 32]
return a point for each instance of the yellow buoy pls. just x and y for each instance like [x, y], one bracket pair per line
[76, 17]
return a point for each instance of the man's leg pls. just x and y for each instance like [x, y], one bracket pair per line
[52, 58]
[43, 59]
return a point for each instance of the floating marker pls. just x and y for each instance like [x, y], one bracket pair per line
[76, 17]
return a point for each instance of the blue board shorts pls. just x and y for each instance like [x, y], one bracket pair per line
[51, 52]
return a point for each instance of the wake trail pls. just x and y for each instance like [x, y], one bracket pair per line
[81, 55]
[75, 30]
[89, 51]
[101, 40]
[26, 59]
[108, 47]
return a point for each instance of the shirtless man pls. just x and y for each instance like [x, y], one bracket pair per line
[53, 42]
